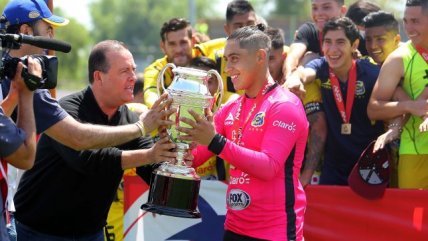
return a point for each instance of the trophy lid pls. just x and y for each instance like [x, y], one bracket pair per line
[198, 73]
[190, 80]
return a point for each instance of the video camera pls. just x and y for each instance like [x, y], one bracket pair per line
[49, 64]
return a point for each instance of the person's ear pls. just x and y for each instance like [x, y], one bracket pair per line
[226, 29]
[262, 55]
[97, 77]
[355, 45]
[343, 10]
[162, 46]
[26, 29]
[397, 40]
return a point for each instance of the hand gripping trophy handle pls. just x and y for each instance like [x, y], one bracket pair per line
[218, 96]
[160, 80]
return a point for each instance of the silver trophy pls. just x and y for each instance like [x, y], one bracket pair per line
[174, 187]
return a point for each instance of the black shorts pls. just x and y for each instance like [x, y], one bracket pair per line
[231, 236]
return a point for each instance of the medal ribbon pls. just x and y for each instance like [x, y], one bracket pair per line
[423, 52]
[350, 94]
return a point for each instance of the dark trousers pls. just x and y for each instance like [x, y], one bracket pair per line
[26, 233]
[231, 236]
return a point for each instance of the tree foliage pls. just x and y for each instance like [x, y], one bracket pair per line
[137, 22]
[73, 66]
[292, 7]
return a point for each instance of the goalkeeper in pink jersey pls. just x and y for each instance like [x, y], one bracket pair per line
[263, 136]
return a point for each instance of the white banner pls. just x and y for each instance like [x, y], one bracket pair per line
[140, 225]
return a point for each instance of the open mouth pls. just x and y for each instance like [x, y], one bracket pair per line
[234, 77]
[130, 89]
[334, 57]
[377, 52]
[412, 35]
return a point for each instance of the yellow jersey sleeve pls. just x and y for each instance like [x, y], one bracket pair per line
[151, 74]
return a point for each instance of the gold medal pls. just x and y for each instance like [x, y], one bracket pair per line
[346, 129]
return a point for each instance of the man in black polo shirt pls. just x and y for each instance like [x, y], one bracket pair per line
[68, 193]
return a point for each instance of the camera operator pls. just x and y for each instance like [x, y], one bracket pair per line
[17, 142]
[51, 119]
[33, 17]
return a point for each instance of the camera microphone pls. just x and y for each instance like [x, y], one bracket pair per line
[41, 42]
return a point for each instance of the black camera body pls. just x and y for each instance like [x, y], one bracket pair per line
[49, 63]
[49, 66]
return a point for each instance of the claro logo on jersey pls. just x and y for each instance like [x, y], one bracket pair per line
[243, 179]
[238, 199]
[259, 119]
[291, 127]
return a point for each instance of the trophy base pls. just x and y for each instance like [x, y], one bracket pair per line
[173, 195]
[175, 212]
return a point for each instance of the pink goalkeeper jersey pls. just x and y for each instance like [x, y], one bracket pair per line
[265, 199]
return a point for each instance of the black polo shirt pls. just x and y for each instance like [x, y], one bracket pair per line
[68, 193]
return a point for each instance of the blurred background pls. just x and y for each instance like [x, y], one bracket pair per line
[137, 23]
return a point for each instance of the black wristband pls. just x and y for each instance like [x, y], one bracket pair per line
[217, 144]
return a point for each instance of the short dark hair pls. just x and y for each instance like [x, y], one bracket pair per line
[98, 57]
[14, 29]
[359, 9]
[276, 36]
[381, 19]
[252, 37]
[418, 3]
[203, 62]
[237, 7]
[175, 24]
[349, 27]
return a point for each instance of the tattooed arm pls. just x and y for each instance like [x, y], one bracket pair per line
[315, 146]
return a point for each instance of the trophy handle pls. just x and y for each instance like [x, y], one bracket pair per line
[220, 90]
[160, 80]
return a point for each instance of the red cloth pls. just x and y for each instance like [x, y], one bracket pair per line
[3, 183]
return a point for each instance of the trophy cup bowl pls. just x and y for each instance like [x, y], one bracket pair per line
[174, 188]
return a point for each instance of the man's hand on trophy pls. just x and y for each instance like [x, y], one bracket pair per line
[202, 130]
[161, 151]
[188, 158]
[158, 114]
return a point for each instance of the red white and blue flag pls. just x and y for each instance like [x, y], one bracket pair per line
[140, 225]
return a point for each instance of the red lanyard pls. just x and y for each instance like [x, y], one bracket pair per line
[350, 94]
[238, 126]
[423, 52]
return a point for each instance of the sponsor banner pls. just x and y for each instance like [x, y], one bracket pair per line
[145, 226]
[336, 213]
[333, 214]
